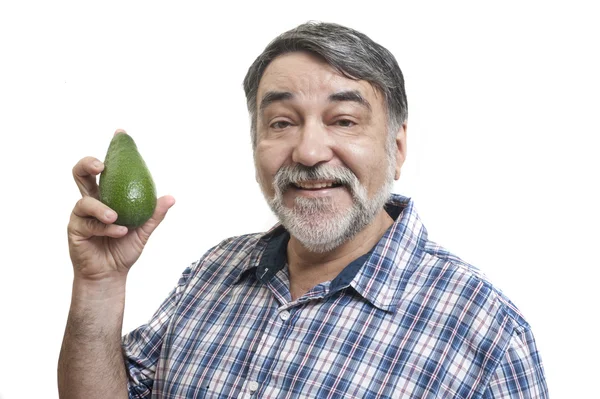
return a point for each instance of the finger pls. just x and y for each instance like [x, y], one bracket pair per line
[89, 227]
[88, 207]
[84, 173]
[163, 205]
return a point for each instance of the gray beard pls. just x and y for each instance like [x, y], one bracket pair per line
[318, 223]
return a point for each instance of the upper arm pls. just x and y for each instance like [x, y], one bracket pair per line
[142, 346]
[520, 374]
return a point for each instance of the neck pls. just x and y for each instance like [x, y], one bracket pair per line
[308, 269]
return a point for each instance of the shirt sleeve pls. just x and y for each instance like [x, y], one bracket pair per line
[142, 346]
[520, 374]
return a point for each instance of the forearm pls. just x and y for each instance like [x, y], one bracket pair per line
[91, 362]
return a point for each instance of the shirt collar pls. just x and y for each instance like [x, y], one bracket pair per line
[378, 276]
[274, 255]
[268, 256]
[394, 258]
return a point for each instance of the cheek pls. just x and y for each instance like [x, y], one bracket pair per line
[263, 173]
[368, 163]
[268, 159]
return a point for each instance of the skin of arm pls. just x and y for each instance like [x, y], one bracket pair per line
[91, 363]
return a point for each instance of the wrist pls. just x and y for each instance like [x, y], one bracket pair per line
[107, 289]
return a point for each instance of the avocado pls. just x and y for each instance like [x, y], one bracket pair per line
[126, 185]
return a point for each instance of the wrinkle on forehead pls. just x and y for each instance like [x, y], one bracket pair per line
[306, 75]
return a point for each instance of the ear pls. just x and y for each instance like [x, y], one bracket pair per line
[401, 149]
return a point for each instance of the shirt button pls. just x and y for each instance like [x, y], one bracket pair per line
[253, 386]
[284, 315]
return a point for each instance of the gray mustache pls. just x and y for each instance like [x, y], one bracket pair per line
[288, 175]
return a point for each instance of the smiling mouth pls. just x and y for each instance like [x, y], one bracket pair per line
[316, 185]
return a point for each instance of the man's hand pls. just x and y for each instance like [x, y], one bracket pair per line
[100, 249]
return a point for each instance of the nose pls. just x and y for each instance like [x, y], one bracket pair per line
[313, 146]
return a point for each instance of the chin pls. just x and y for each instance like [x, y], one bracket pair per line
[319, 230]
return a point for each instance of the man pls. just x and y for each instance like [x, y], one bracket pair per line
[346, 298]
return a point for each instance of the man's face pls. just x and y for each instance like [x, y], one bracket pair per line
[323, 157]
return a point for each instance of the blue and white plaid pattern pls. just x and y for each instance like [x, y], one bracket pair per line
[413, 322]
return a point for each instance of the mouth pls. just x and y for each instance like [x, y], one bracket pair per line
[316, 185]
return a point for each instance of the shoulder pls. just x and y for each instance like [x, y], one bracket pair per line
[484, 327]
[231, 254]
[219, 267]
[234, 248]
[473, 290]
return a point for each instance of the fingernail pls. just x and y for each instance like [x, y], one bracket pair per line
[96, 164]
[109, 214]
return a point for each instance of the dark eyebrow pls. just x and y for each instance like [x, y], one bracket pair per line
[350, 95]
[273, 96]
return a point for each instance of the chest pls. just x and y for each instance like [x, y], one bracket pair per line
[243, 343]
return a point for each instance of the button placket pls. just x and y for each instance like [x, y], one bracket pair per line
[269, 338]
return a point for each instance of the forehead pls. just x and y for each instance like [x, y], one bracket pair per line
[306, 74]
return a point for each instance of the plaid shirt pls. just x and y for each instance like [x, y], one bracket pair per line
[406, 320]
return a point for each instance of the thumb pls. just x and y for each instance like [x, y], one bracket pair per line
[163, 204]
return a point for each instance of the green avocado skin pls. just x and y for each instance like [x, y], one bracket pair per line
[126, 185]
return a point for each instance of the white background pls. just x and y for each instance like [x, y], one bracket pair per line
[503, 135]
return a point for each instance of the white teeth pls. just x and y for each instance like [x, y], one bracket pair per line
[312, 186]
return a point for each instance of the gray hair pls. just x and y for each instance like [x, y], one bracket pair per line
[352, 53]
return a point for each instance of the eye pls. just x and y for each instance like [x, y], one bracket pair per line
[280, 125]
[345, 123]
